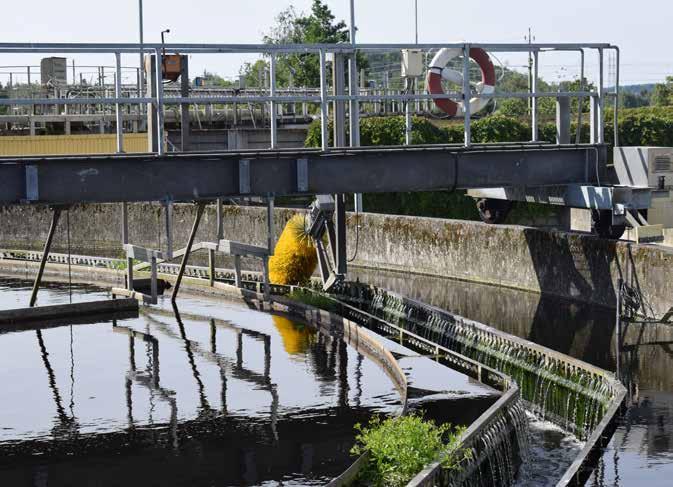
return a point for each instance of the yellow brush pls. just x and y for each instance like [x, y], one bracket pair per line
[294, 258]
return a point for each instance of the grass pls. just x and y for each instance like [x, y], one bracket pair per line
[400, 447]
[313, 299]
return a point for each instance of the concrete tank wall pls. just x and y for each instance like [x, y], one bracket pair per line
[569, 265]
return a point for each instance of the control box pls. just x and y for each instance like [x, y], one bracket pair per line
[412, 63]
[645, 166]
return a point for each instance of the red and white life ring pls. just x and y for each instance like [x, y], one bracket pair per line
[438, 71]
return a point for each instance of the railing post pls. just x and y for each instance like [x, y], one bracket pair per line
[118, 108]
[535, 137]
[466, 94]
[324, 128]
[160, 102]
[601, 88]
[272, 103]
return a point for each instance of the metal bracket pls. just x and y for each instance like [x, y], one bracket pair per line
[302, 175]
[244, 176]
[32, 188]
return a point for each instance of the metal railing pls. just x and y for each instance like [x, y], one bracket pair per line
[323, 98]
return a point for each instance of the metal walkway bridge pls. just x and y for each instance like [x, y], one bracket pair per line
[576, 171]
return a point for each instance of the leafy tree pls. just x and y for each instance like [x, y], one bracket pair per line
[317, 27]
[634, 100]
[662, 95]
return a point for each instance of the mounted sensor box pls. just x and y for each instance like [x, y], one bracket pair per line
[412, 63]
[645, 166]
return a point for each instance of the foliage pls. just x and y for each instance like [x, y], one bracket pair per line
[313, 299]
[662, 95]
[317, 27]
[401, 447]
[634, 100]
[294, 258]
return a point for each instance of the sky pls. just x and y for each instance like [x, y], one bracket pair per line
[641, 29]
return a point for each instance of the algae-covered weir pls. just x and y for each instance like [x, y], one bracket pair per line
[281, 278]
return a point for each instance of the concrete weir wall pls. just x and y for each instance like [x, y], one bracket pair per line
[569, 265]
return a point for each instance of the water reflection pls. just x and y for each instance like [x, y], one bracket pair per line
[160, 399]
[641, 448]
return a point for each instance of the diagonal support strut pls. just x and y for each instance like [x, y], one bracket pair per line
[183, 264]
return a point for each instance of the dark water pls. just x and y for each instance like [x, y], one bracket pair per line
[217, 395]
[641, 450]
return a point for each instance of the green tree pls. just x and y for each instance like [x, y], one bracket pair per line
[634, 100]
[317, 27]
[662, 95]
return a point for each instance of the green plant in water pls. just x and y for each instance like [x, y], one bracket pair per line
[400, 447]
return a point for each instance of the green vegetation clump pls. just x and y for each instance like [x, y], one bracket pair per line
[400, 447]
[313, 299]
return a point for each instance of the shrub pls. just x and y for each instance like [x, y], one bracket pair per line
[401, 447]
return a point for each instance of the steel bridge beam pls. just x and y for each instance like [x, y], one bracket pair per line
[190, 177]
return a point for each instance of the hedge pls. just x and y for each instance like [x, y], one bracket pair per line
[637, 126]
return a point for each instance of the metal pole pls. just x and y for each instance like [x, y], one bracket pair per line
[534, 121]
[339, 107]
[168, 213]
[185, 121]
[272, 104]
[416, 20]
[618, 328]
[324, 135]
[160, 103]
[578, 135]
[118, 107]
[353, 104]
[45, 255]
[125, 240]
[616, 109]
[142, 62]
[220, 226]
[408, 126]
[270, 224]
[466, 94]
[599, 106]
[185, 257]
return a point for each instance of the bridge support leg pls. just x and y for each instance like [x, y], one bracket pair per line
[125, 240]
[188, 250]
[45, 255]
[340, 224]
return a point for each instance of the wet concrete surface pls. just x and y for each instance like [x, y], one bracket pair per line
[641, 449]
[217, 394]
